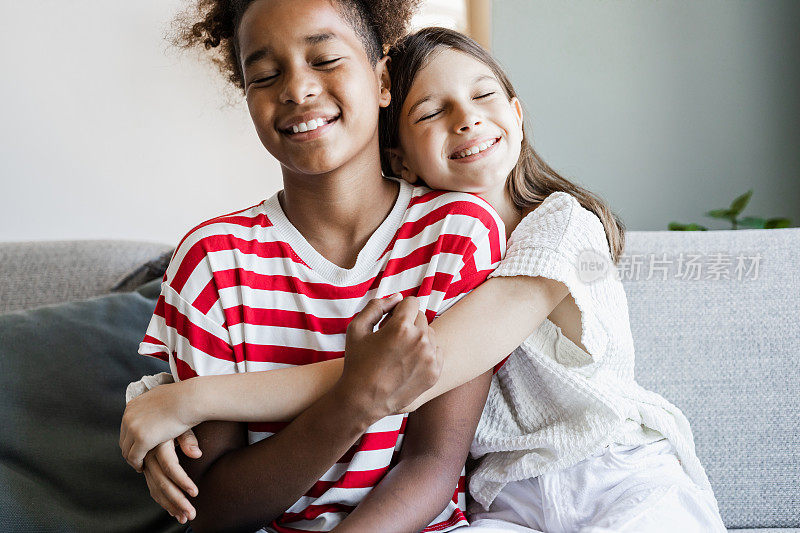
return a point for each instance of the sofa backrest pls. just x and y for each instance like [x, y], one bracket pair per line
[50, 272]
[727, 353]
[724, 348]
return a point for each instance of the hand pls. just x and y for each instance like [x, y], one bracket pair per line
[159, 415]
[167, 481]
[388, 369]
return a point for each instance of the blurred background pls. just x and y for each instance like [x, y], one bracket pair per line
[666, 109]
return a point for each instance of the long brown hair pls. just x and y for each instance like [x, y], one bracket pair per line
[532, 179]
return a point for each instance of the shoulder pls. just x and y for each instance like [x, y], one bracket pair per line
[559, 219]
[459, 209]
[220, 233]
[240, 220]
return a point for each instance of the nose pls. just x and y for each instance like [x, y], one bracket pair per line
[298, 86]
[466, 118]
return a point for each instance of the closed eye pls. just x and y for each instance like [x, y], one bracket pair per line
[485, 95]
[326, 62]
[268, 78]
[430, 115]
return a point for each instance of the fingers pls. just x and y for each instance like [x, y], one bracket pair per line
[421, 321]
[189, 445]
[165, 492]
[366, 320]
[405, 312]
[126, 445]
[135, 456]
[168, 460]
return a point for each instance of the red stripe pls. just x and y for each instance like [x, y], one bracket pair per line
[217, 219]
[227, 242]
[313, 511]
[198, 337]
[351, 479]
[184, 370]
[285, 319]
[207, 298]
[454, 519]
[266, 353]
[446, 243]
[499, 365]
[461, 207]
[428, 196]
[323, 291]
[158, 355]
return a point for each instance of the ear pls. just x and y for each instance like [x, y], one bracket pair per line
[399, 167]
[382, 72]
[517, 105]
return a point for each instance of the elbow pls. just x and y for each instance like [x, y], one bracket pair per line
[207, 521]
[218, 514]
[210, 523]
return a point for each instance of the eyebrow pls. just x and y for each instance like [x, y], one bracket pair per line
[265, 51]
[421, 101]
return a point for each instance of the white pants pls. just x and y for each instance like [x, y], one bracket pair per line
[640, 489]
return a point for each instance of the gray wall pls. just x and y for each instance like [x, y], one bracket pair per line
[666, 109]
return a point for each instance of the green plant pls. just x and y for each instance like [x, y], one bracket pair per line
[731, 214]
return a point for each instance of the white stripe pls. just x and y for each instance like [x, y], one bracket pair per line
[287, 337]
[324, 522]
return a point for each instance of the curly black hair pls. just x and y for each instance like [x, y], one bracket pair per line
[213, 24]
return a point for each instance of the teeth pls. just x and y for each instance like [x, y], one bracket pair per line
[475, 149]
[312, 124]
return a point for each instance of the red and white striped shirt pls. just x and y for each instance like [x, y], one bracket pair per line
[246, 292]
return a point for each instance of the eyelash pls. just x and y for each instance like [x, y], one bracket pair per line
[318, 64]
[426, 117]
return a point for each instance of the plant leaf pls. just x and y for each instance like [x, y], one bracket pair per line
[721, 213]
[778, 223]
[753, 222]
[695, 227]
[739, 204]
[676, 226]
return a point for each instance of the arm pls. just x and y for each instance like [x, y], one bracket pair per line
[470, 344]
[462, 357]
[437, 441]
[243, 487]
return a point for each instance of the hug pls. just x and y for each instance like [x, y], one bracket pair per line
[408, 303]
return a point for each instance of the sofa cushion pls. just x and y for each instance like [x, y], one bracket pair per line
[63, 374]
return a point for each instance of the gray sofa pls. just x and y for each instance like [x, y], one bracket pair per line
[714, 335]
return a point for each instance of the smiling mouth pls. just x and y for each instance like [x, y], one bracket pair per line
[308, 126]
[475, 149]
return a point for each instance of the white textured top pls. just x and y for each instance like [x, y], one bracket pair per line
[552, 404]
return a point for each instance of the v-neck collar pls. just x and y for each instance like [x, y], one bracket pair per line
[367, 256]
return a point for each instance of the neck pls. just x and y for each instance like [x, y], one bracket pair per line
[338, 211]
[510, 214]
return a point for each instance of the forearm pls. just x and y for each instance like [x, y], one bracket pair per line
[249, 487]
[436, 445]
[270, 396]
[472, 345]
[408, 498]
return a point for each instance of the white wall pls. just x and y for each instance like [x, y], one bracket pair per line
[668, 108]
[108, 132]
